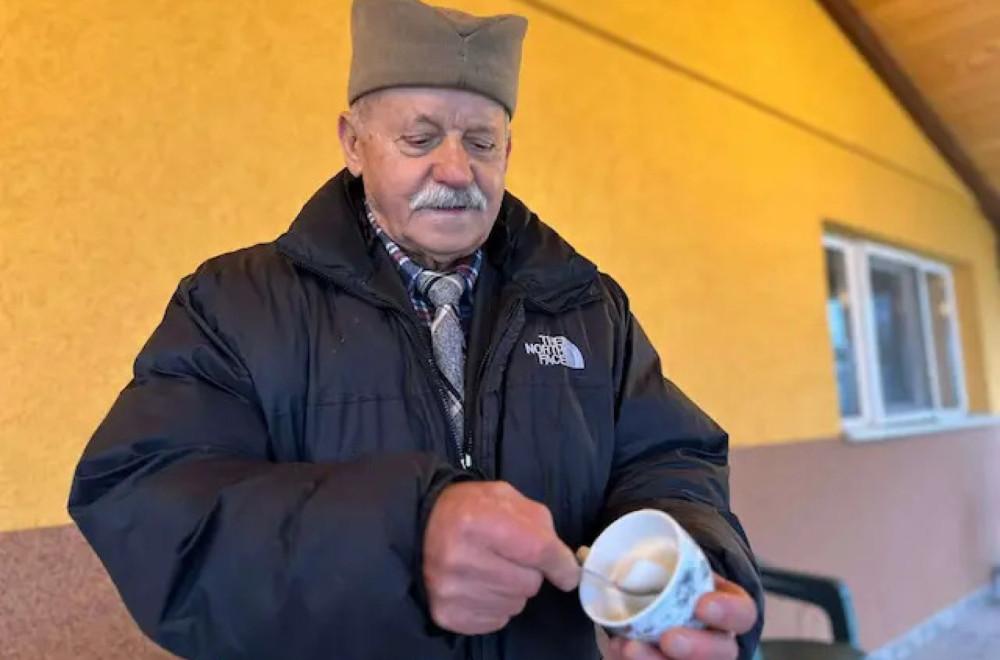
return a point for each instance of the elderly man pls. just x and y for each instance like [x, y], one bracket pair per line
[385, 434]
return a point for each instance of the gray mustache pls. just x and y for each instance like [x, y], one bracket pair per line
[438, 196]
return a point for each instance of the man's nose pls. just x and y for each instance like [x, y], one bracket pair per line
[452, 167]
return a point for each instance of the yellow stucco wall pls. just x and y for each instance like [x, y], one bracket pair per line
[139, 138]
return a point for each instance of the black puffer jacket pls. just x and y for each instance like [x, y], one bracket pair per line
[259, 490]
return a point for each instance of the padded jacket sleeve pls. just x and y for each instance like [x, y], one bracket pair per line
[221, 553]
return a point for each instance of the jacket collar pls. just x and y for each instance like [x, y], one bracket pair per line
[329, 236]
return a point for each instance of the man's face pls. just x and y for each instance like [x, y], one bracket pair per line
[434, 163]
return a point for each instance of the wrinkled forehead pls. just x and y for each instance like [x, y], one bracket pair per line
[444, 108]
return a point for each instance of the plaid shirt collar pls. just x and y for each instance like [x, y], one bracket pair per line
[410, 270]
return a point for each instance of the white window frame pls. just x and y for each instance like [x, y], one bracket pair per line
[857, 259]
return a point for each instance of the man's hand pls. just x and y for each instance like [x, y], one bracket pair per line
[726, 612]
[487, 549]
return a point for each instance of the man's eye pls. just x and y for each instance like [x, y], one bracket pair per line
[482, 145]
[418, 141]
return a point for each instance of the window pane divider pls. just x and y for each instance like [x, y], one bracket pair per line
[955, 343]
[930, 347]
[869, 341]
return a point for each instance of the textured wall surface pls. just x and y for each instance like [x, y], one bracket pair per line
[693, 153]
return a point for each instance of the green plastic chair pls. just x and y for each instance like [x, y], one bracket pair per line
[829, 594]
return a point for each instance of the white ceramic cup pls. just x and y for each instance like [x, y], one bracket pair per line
[648, 535]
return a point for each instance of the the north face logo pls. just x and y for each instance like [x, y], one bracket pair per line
[556, 351]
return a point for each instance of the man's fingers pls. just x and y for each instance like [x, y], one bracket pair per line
[615, 649]
[531, 541]
[633, 650]
[500, 576]
[727, 586]
[729, 609]
[559, 565]
[546, 553]
[487, 550]
[689, 644]
[678, 644]
[469, 623]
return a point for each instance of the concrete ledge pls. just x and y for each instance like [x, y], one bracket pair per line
[57, 602]
[895, 431]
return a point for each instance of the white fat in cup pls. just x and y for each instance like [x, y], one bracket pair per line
[646, 550]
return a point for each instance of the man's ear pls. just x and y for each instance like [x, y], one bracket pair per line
[350, 139]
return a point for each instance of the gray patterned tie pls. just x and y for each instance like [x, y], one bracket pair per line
[444, 291]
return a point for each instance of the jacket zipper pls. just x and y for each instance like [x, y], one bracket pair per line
[508, 315]
[463, 449]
